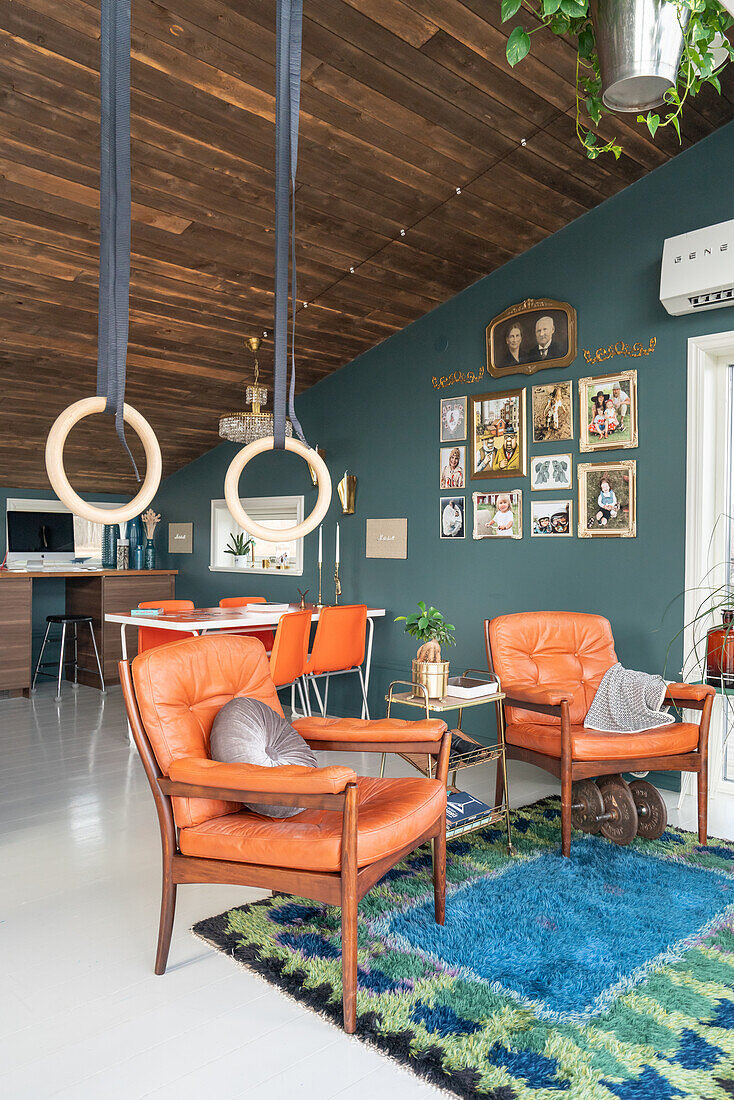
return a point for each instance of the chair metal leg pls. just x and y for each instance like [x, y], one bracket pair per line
[326, 696]
[306, 694]
[40, 656]
[365, 704]
[293, 699]
[61, 661]
[304, 708]
[76, 655]
[382, 765]
[96, 657]
[312, 681]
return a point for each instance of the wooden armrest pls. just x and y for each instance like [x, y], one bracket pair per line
[356, 732]
[538, 697]
[681, 693]
[239, 779]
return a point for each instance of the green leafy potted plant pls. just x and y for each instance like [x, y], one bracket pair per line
[432, 630]
[239, 547]
[631, 56]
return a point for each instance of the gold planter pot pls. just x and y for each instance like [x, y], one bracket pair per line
[434, 675]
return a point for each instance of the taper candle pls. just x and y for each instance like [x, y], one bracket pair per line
[321, 547]
[337, 544]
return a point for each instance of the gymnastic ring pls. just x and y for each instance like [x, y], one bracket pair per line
[60, 429]
[267, 534]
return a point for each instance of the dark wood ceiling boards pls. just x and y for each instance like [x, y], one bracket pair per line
[403, 101]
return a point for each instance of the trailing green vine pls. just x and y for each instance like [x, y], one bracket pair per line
[703, 25]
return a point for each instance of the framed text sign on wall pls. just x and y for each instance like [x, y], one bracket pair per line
[180, 538]
[387, 538]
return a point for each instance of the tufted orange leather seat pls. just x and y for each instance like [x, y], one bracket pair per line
[352, 829]
[550, 664]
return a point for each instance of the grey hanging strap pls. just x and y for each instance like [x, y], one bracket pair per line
[289, 31]
[114, 210]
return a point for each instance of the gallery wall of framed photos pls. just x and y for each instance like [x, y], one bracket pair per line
[488, 436]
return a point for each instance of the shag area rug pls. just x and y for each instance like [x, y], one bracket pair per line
[609, 976]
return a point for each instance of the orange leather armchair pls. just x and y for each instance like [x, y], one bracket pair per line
[352, 830]
[550, 665]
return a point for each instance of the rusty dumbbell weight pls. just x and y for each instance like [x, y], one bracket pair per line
[606, 806]
[617, 809]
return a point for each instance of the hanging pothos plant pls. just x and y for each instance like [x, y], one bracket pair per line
[704, 46]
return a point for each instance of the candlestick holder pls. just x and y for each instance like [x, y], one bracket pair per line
[337, 584]
[319, 605]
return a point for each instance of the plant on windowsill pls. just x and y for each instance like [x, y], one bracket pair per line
[681, 47]
[239, 547]
[432, 631]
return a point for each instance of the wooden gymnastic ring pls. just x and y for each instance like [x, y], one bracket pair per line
[240, 516]
[60, 429]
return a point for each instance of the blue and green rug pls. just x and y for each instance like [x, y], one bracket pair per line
[609, 976]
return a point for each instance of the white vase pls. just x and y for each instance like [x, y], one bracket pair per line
[240, 561]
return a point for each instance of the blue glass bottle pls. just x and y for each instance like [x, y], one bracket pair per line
[136, 535]
[138, 559]
[149, 555]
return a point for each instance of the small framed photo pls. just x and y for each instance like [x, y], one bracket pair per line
[453, 467]
[498, 515]
[551, 472]
[552, 412]
[552, 518]
[453, 419]
[607, 499]
[531, 336]
[452, 517]
[608, 411]
[498, 442]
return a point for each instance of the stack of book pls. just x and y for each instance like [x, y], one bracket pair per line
[463, 808]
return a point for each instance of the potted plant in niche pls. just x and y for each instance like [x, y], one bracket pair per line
[432, 630]
[240, 548]
[646, 57]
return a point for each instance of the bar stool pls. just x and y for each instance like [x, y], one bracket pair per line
[289, 655]
[267, 637]
[65, 621]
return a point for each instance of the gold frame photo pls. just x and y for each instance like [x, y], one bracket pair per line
[498, 434]
[551, 403]
[533, 335]
[446, 434]
[551, 483]
[483, 528]
[616, 516]
[601, 412]
[452, 477]
[541, 508]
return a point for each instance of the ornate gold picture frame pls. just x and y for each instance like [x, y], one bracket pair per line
[608, 412]
[607, 499]
[498, 435]
[531, 336]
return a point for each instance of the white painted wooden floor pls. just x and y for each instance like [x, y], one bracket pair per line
[81, 1013]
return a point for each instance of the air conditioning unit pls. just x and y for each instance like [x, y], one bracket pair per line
[698, 270]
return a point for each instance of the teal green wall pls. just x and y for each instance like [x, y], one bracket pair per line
[379, 416]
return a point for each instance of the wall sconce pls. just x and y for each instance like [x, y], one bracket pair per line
[347, 490]
[322, 454]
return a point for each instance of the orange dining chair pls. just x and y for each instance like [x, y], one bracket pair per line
[267, 637]
[149, 636]
[290, 653]
[338, 648]
[351, 831]
[550, 664]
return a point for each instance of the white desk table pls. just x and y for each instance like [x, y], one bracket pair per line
[206, 620]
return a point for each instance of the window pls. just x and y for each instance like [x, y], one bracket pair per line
[278, 513]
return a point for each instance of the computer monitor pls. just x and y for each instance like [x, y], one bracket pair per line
[44, 536]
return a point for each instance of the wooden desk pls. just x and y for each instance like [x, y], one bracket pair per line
[88, 592]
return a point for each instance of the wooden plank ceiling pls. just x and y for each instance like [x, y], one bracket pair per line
[403, 102]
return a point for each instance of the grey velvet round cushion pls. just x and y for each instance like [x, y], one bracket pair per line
[246, 731]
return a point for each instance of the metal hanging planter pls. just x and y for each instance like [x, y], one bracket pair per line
[640, 43]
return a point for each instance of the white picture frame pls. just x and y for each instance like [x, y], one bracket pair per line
[551, 473]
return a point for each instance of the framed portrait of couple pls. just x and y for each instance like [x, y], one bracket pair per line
[531, 336]
[498, 434]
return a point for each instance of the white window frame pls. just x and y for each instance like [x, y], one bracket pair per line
[248, 503]
[706, 543]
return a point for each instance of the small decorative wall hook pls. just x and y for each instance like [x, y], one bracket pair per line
[347, 490]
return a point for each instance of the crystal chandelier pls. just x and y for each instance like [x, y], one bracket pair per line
[244, 427]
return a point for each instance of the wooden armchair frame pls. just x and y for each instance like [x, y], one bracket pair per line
[345, 887]
[698, 697]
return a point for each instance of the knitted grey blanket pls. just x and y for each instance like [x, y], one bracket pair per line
[628, 701]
